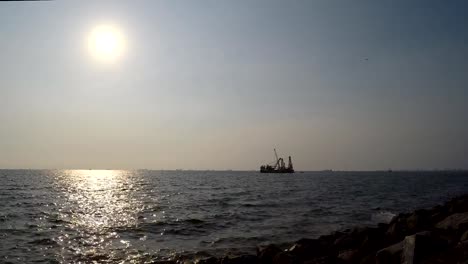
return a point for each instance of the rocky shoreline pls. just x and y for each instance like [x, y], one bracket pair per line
[436, 235]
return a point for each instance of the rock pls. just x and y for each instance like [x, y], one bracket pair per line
[344, 242]
[245, 259]
[382, 226]
[369, 259]
[417, 221]
[409, 248]
[283, 258]
[421, 245]
[457, 221]
[458, 205]
[397, 229]
[374, 239]
[464, 237]
[461, 251]
[210, 260]
[352, 239]
[437, 214]
[321, 260]
[329, 239]
[391, 254]
[349, 255]
[308, 249]
[359, 242]
[266, 254]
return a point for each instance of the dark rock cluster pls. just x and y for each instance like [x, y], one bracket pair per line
[436, 235]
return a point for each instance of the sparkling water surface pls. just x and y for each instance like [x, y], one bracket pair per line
[108, 216]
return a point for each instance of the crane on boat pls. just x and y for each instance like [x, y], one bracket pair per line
[278, 166]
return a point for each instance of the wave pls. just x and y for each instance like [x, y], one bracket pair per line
[382, 217]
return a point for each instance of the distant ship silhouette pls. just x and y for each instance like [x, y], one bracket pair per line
[278, 167]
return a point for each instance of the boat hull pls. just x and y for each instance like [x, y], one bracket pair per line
[276, 171]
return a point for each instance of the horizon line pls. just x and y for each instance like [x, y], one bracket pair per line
[255, 170]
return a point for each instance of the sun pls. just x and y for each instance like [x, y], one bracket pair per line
[106, 43]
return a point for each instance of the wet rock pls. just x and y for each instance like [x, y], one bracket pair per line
[397, 229]
[308, 249]
[321, 260]
[359, 242]
[369, 259]
[374, 239]
[284, 258]
[437, 214]
[348, 240]
[461, 251]
[417, 221]
[210, 260]
[349, 255]
[266, 254]
[245, 259]
[391, 254]
[421, 245]
[409, 248]
[464, 237]
[382, 226]
[329, 239]
[345, 242]
[458, 205]
[454, 222]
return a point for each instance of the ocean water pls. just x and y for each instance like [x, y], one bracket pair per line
[108, 216]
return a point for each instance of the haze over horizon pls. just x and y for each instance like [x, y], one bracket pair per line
[217, 85]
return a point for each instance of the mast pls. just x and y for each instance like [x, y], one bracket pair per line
[290, 165]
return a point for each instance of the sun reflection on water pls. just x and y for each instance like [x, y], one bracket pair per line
[96, 204]
[101, 199]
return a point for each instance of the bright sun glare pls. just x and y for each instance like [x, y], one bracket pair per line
[106, 43]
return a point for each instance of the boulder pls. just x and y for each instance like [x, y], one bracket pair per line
[349, 255]
[266, 254]
[307, 249]
[420, 246]
[245, 259]
[369, 259]
[397, 229]
[210, 260]
[346, 241]
[437, 214]
[373, 240]
[391, 254]
[458, 205]
[464, 237]
[418, 220]
[458, 222]
[409, 246]
[351, 239]
[321, 260]
[284, 258]
[461, 251]
[382, 226]
[329, 239]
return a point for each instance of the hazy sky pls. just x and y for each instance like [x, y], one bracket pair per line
[346, 85]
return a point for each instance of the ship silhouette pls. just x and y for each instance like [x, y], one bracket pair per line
[278, 167]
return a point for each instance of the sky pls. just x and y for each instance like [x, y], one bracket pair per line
[343, 85]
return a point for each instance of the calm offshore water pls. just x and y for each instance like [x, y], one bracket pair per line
[70, 216]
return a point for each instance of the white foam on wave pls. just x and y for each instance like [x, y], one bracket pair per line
[382, 217]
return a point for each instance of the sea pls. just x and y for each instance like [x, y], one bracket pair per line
[141, 216]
